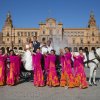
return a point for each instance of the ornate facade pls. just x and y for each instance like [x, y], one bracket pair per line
[51, 30]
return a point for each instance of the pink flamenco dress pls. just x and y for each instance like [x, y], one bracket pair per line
[13, 75]
[67, 77]
[46, 64]
[2, 70]
[38, 73]
[80, 76]
[52, 78]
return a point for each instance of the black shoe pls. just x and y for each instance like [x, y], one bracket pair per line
[94, 84]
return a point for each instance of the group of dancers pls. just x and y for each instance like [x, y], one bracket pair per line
[43, 66]
[10, 65]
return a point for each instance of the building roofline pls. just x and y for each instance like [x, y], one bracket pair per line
[41, 23]
[26, 28]
[75, 28]
[50, 18]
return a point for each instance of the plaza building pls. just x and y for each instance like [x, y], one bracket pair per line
[75, 38]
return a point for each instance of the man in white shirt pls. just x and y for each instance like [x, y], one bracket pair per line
[44, 48]
[49, 47]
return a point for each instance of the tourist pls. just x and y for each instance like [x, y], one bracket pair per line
[36, 44]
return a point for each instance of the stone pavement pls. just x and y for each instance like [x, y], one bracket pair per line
[26, 91]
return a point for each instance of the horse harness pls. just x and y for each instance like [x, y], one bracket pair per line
[96, 57]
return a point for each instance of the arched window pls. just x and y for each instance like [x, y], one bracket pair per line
[93, 48]
[18, 34]
[8, 34]
[43, 31]
[73, 41]
[88, 42]
[81, 41]
[15, 48]
[20, 48]
[92, 33]
[21, 33]
[33, 33]
[28, 33]
[27, 40]
[43, 39]
[7, 39]
[3, 49]
[80, 48]
[86, 48]
[36, 34]
[19, 41]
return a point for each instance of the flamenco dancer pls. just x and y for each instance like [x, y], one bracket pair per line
[52, 78]
[67, 77]
[80, 76]
[2, 68]
[38, 72]
[14, 70]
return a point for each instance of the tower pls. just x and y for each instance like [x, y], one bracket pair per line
[92, 21]
[8, 32]
[8, 21]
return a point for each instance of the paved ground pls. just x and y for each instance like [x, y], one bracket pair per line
[26, 91]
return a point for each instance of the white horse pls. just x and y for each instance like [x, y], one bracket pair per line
[92, 62]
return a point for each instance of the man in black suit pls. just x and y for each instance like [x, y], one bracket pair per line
[36, 44]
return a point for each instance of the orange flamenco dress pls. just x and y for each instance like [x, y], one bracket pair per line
[2, 70]
[80, 76]
[67, 77]
[38, 73]
[14, 71]
[52, 78]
